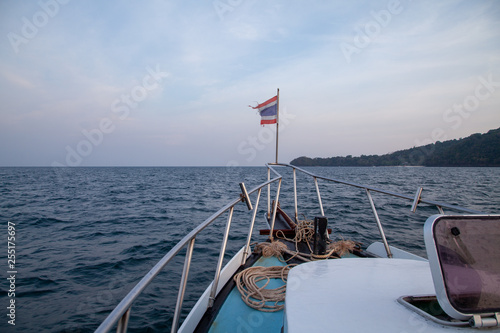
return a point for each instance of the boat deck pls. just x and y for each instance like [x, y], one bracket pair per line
[344, 294]
[236, 316]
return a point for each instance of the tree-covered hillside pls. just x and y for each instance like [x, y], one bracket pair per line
[476, 150]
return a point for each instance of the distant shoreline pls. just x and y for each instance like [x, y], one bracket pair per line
[477, 150]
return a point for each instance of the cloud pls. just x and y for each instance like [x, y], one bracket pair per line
[392, 93]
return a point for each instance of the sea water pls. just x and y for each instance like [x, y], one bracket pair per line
[83, 237]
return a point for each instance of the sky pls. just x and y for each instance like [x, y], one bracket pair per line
[169, 83]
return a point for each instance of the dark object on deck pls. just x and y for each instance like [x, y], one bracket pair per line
[320, 234]
[283, 225]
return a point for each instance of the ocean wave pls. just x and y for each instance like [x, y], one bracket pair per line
[35, 287]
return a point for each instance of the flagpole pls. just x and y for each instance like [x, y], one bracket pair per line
[277, 122]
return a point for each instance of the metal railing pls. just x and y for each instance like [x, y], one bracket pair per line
[120, 315]
[417, 199]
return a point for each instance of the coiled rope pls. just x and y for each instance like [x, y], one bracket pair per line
[304, 232]
[259, 297]
[271, 300]
[273, 249]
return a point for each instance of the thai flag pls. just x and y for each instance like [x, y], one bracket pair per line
[268, 111]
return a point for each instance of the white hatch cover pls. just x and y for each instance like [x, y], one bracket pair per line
[357, 295]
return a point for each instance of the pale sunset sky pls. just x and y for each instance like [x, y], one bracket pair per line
[168, 83]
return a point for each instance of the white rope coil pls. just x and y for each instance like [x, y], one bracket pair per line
[259, 297]
[271, 300]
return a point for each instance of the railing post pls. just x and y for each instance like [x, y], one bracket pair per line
[268, 193]
[379, 225]
[416, 200]
[123, 323]
[249, 238]
[319, 196]
[221, 258]
[244, 196]
[275, 208]
[182, 287]
[295, 194]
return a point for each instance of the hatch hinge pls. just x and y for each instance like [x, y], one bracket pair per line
[490, 321]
